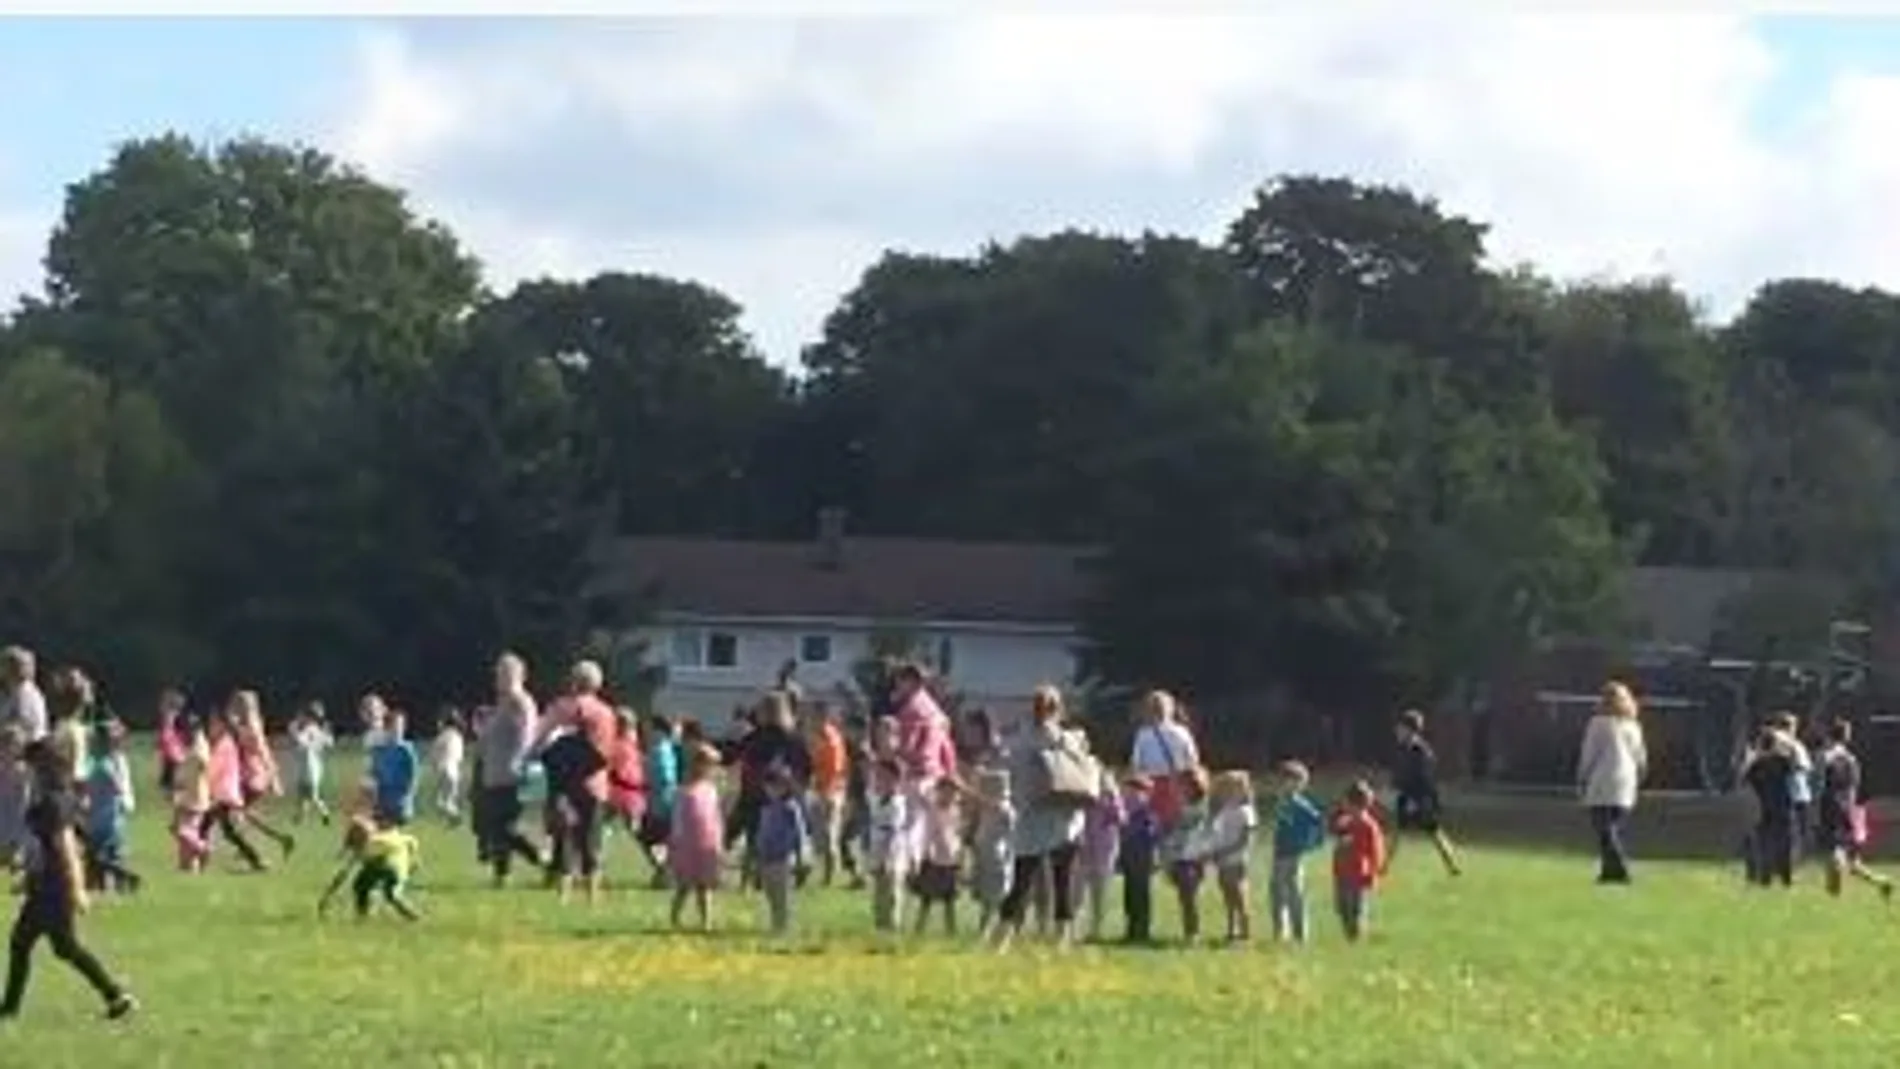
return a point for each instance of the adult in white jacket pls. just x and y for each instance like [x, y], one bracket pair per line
[1610, 772]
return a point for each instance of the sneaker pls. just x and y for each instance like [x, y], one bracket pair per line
[122, 1007]
[290, 846]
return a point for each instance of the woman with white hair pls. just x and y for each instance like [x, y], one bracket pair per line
[576, 741]
[1610, 772]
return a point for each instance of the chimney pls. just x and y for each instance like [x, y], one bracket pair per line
[831, 538]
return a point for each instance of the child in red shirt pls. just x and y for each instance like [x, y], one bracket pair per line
[1358, 858]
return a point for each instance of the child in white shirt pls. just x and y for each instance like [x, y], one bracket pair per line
[312, 741]
[1227, 843]
[445, 757]
[941, 866]
[992, 857]
[887, 846]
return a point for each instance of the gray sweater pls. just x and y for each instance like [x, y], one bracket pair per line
[504, 741]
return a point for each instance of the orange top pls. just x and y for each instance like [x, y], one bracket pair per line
[830, 760]
[1360, 853]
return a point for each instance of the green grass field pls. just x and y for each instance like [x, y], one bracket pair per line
[1521, 963]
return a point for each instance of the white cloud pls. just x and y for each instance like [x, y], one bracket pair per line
[775, 158]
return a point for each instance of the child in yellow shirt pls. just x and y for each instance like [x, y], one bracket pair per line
[382, 860]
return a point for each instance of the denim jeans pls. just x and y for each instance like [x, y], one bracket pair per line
[1286, 898]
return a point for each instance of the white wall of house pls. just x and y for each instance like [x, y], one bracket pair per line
[716, 664]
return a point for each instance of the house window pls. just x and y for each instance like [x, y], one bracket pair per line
[722, 650]
[814, 649]
[688, 649]
[704, 649]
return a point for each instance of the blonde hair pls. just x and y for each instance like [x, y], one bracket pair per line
[587, 676]
[1161, 705]
[246, 707]
[1231, 787]
[510, 664]
[1618, 700]
[705, 761]
[1045, 704]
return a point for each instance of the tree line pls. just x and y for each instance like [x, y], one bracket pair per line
[265, 423]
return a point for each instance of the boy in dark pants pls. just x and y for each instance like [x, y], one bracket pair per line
[1141, 837]
[1768, 773]
[1415, 785]
[55, 890]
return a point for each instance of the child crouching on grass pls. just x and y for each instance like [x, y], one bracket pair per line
[381, 860]
[1358, 858]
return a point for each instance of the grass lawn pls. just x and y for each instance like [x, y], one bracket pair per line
[1522, 963]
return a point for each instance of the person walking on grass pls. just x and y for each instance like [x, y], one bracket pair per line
[310, 737]
[502, 747]
[109, 803]
[1358, 859]
[258, 762]
[55, 895]
[693, 849]
[781, 846]
[1841, 831]
[1298, 829]
[447, 754]
[1048, 828]
[1417, 807]
[22, 703]
[1610, 770]
[224, 781]
[1769, 770]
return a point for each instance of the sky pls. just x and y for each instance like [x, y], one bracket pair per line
[776, 158]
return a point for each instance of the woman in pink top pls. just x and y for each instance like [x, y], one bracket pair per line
[925, 749]
[581, 711]
[225, 775]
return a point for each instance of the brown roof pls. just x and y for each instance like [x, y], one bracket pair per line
[883, 579]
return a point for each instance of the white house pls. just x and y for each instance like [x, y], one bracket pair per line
[994, 619]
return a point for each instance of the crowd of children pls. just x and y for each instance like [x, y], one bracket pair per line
[824, 800]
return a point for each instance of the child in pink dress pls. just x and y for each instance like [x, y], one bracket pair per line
[693, 847]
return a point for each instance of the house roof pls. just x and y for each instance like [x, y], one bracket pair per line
[883, 579]
[1682, 606]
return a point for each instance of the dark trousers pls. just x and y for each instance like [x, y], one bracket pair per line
[501, 835]
[1138, 901]
[374, 879]
[1613, 861]
[1773, 851]
[50, 919]
[1028, 872]
[223, 818]
[577, 847]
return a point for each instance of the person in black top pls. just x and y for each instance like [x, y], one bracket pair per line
[1769, 769]
[773, 742]
[1415, 790]
[55, 890]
